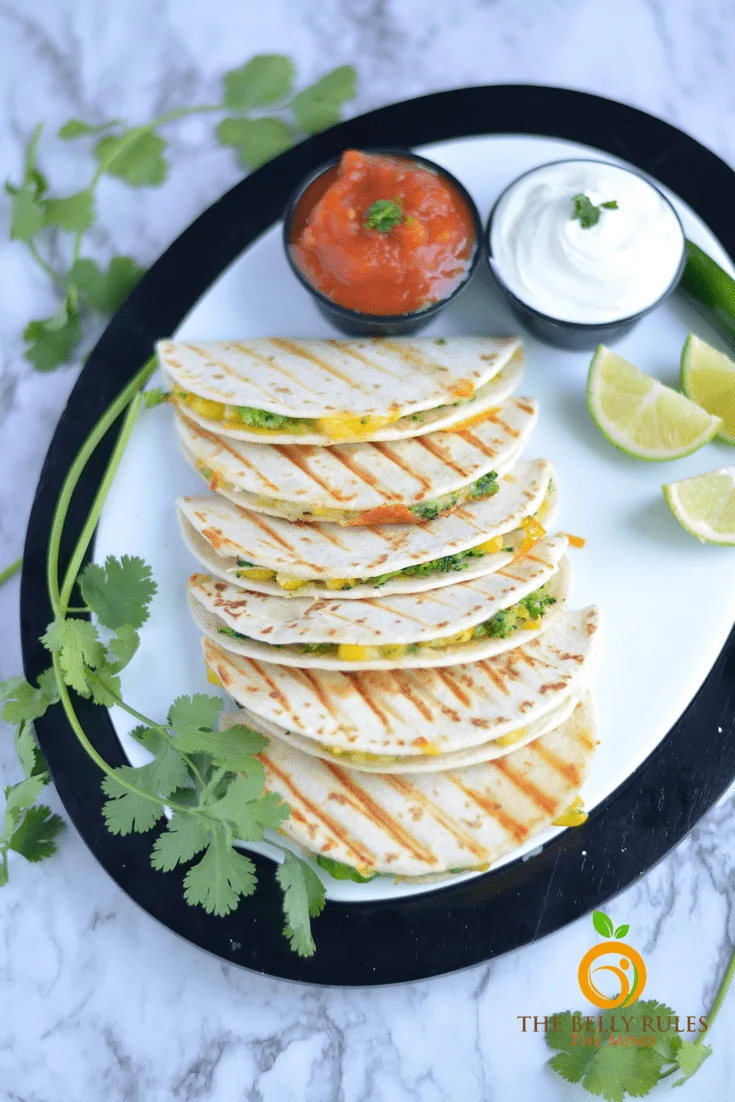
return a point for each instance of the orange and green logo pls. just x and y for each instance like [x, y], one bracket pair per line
[629, 970]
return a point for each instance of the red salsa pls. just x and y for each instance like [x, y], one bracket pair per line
[382, 235]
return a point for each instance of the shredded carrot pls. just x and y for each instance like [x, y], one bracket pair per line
[463, 388]
[215, 482]
[574, 541]
[534, 532]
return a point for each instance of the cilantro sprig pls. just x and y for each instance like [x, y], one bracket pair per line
[262, 116]
[203, 790]
[585, 211]
[383, 215]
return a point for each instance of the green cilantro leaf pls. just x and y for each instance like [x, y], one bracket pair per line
[26, 212]
[257, 140]
[572, 1060]
[303, 897]
[320, 105]
[338, 870]
[184, 837]
[223, 875]
[106, 291]
[690, 1058]
[155, 396]
[617, 1069]
[20, 796]
[76, 128]
[123, 646]
[52, 341]
[135, 156]
[29, 753]
[383, 215]
[75, 213]
[198, 712]
[105, 686]
[23, 702]
[248, 815]
[127, 811]
[169, 771]
[120, 592]
[77, 645]
[587, 213]
[265, 79]
[34, 837]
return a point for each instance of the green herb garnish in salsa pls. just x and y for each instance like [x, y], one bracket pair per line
[383, 215]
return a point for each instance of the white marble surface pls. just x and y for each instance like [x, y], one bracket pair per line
[95, 999]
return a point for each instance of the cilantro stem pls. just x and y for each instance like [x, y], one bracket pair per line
[156, 727]
[107, 419]
[9, 571]
[57, 277]
[719, 998]
[75, 562]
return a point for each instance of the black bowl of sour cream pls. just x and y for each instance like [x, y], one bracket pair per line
[583, 249]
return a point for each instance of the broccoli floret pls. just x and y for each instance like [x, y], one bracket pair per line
[536, 603]
[427, 510]
[227, 630]
[264, 419]
[316, 648]
[486, 485]
[505, 622]
[245, 564]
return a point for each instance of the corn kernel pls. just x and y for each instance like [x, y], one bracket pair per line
[573, 816]
[490, 546]
[352, 652]
[287, 581]
[213, 411]
[340, 583]
[213, 678]
[257, 573]
[511, 737]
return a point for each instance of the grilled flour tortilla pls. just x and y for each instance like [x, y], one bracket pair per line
[462, 622]
[427, 760]
[428, 823]
[367, 483]
[271, 555]
[402, 712]
[325, 391]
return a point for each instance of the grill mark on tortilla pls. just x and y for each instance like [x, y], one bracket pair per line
[406, 353]
[259, 521]
[379, 815]
[438, 453]
[404, 685]
[393, 457]
[221, 443]
[492, 808]
[438, 814]
[511, 431]
[356, 469]
[497, 679]
[364, 855]
[270, 362]
[276, 693]
[350, 350]
[565, 769]
[294, 453]
[312, 677]
[524, 405]
[302, 353]
[528, 788]
[206, 355]
[447, 679]
[476, 442]
[362, 691]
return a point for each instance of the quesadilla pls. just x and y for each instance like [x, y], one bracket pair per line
[367, 483]
[271, 555]
[428, 760]
[327, 391]
[460, 623]
[407, 712]
[428, 823]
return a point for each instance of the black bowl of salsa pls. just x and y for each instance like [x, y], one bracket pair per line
[383, 240]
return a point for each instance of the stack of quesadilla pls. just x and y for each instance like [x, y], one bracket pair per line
[382, 597]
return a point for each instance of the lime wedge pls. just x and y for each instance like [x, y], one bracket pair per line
[708, 378]
[705, 505]
[641, 416]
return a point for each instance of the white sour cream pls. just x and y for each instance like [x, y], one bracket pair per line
[606, 272]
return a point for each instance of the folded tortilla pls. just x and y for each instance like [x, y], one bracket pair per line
[427, 760]
[271, 555]
[364, 483]
[460, 623]
[326, 391]
[427, 823]
[398, 712]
